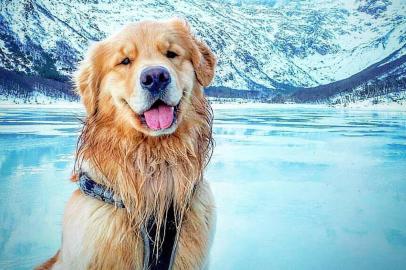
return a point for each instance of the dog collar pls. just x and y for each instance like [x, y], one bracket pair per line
[166, 252]
[98, 191]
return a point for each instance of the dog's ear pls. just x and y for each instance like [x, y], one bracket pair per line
[87, 78]
[204, 62]
[203, 59]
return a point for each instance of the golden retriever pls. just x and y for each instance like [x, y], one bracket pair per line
[147, 136]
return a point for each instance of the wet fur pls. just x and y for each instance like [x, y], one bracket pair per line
[147, 172]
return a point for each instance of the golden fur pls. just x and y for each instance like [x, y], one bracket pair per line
[147, 170]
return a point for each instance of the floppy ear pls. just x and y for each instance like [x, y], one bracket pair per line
[204, 62]
[203, 59]
[87, 78]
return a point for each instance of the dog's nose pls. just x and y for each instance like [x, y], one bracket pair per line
[155, 79]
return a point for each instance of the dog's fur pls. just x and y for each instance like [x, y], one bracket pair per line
[148, 169]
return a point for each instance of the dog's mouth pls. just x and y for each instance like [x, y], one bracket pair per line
[160, 116]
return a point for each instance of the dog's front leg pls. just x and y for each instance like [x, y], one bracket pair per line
[197, 231]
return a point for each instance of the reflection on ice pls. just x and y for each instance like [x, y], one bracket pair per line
[296, 187]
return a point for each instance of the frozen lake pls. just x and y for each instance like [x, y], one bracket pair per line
[296, 187]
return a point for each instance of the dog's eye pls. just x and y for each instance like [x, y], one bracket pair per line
[126, 61]
[171, 54]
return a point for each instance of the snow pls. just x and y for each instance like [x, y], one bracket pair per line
[266, 33]
[256, 105]
[43, 102]
[390, 101]
[37, 99]
[379, 103]
[296, 187]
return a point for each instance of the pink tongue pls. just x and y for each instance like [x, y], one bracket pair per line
[159, 118]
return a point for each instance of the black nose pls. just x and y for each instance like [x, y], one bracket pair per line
[155, 79]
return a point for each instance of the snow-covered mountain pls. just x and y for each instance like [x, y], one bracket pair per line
[261, 45]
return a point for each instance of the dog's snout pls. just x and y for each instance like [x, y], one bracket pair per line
[155, 79]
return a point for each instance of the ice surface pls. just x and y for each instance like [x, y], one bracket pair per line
[296, 187]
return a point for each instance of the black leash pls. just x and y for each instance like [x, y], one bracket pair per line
[168, 234]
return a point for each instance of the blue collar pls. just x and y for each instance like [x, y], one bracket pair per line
[98, 191]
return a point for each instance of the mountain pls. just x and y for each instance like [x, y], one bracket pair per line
[265, 46]
[389, 71]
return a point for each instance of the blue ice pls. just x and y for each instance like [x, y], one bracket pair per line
[296, 187]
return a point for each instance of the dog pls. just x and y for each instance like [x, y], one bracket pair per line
[145, 142]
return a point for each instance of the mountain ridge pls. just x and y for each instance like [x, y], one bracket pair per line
[274, 47]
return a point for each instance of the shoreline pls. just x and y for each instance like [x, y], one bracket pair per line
[229, 105]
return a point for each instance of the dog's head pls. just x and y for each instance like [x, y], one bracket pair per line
[144, 75]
